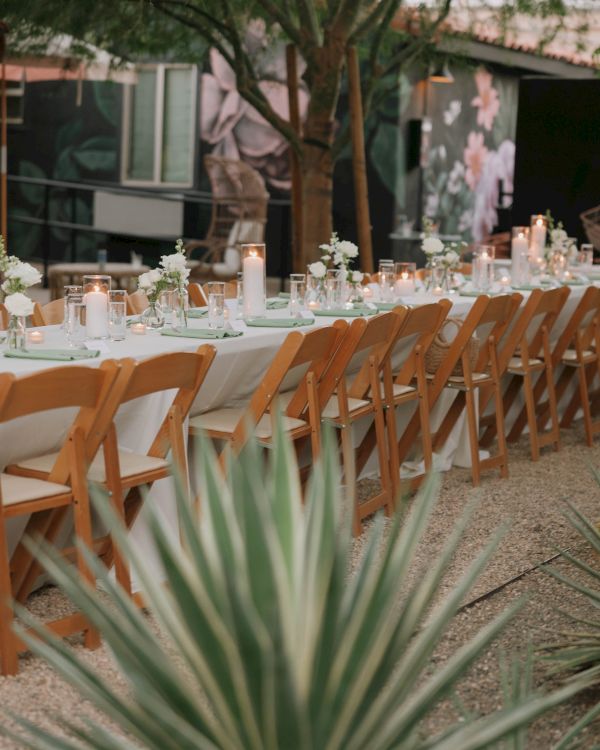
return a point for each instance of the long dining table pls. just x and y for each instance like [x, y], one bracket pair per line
[237, 370]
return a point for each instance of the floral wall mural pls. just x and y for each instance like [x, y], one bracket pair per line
[472, 148]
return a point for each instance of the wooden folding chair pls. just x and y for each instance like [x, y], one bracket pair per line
[534, 357]
[577, 350]
[369, 394]
[63, 485]
[301, 407]
[230, 290]
[123, 473]
[136, 303]
[196, 295]
[48, 315]
[494, 316]
[4, 316]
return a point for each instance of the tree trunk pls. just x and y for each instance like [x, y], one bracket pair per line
[317, 200]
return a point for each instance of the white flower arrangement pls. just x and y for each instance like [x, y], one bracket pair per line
[19, 305]
[318, 270]
[340, 252]
[436, 251]
[172, 271]
[357, 277]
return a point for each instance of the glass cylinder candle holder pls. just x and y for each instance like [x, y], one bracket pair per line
[483, 267]
[519, 254]
[254, 269]
[537, 235]
[586, 255]
[117, 319]
[96, 290]
[387, 278]
[405, 279]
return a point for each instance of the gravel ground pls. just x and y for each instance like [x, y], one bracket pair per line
[531, 502]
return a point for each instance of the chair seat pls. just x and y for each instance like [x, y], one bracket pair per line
[475, 377]
[516, 363]
[400, 390]
[570, 356]
[224, 421]
[332, 408]
[130, 463]
[21, 489]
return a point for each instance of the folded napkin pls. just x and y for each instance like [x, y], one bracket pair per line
[197, 312]
[202, 333]
[381, 306]
[276, 304]
[284, 295]
[343, 313]
[279, 322]
[58, 355]
[526, 287]
[574, 282]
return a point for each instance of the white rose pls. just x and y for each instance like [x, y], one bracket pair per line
[349, 249]
[19, 304]
[432, 246]
[357, 277]
[175, 263]
[318, 269]
[451, 257]
[154, 276]
[24, 272]
[145, 281]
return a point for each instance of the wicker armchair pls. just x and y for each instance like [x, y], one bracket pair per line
[591, 224]
[239, 214]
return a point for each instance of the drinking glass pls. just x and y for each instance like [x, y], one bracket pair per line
[68, 290]
[165, 301]
[181, 305]
[117, 315]
[75, 324]
[586, 255]
[387, 279]
[240, 295]
[297, 293]
[216, 304]
[333, 290]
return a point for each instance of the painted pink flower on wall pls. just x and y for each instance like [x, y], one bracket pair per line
[475, 155]
[500, 165]
[487, 100]
[234, 127]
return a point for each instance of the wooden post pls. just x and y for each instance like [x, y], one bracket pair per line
[3, 152]
[298, 259]
[359, 164]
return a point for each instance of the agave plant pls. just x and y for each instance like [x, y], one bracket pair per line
[268, 641]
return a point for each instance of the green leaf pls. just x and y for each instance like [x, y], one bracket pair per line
[33, 194]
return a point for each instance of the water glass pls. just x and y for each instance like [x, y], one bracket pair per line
[297, 294]
[216, 304]
[117, 314]
[333, 290]
[68, 290]
[240, 295]
[75, 324]
[586, 255]
[387, 279]
[166, 302]
[181, 305]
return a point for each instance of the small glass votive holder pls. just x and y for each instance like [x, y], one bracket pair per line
[95, 290]
[68, 290]
[75, 323]
[405, 283]
[483, 267]
[117, 319]
[438, 275]
[297, 294]
[216, 304]
[586, 254]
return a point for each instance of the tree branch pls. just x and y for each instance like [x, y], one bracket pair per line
[197, 10]
[283, 19]
[369, 22]
[309, 21]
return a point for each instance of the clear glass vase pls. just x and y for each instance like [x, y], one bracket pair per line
[16, 333]
[316, 296]
[153, 316]
[180, 309]
[355, 294]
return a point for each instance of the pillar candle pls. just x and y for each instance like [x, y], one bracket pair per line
[96, 315]
[518, 253]
[253, 268]
[538, 238]
[405, 284]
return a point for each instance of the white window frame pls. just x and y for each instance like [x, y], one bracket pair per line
[14, 91]
[160, 69]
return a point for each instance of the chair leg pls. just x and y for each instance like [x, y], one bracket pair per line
[384, 466]
[350, 476]
[501, 429]
[554, 420]
[114, 486]
[82, 518]
[390, 418]
[585, 405]
[8, 651]
[473, 436]
[531, 417]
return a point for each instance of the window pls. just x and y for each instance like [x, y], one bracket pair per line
[159, 126]
[15, 101]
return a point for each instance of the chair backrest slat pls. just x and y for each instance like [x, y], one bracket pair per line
[4, 316]
[581, 323]
[50, 314]
[137, 302]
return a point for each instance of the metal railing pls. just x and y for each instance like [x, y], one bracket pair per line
[197, 197]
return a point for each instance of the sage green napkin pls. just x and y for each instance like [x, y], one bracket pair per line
[525, 287]
[574, 282]
[383, 306]
[343, 313]
[474, 293]
[58, 355]
[276, 304]
[284, 295]
[279, 322]
[197, 312]
[202, 333]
